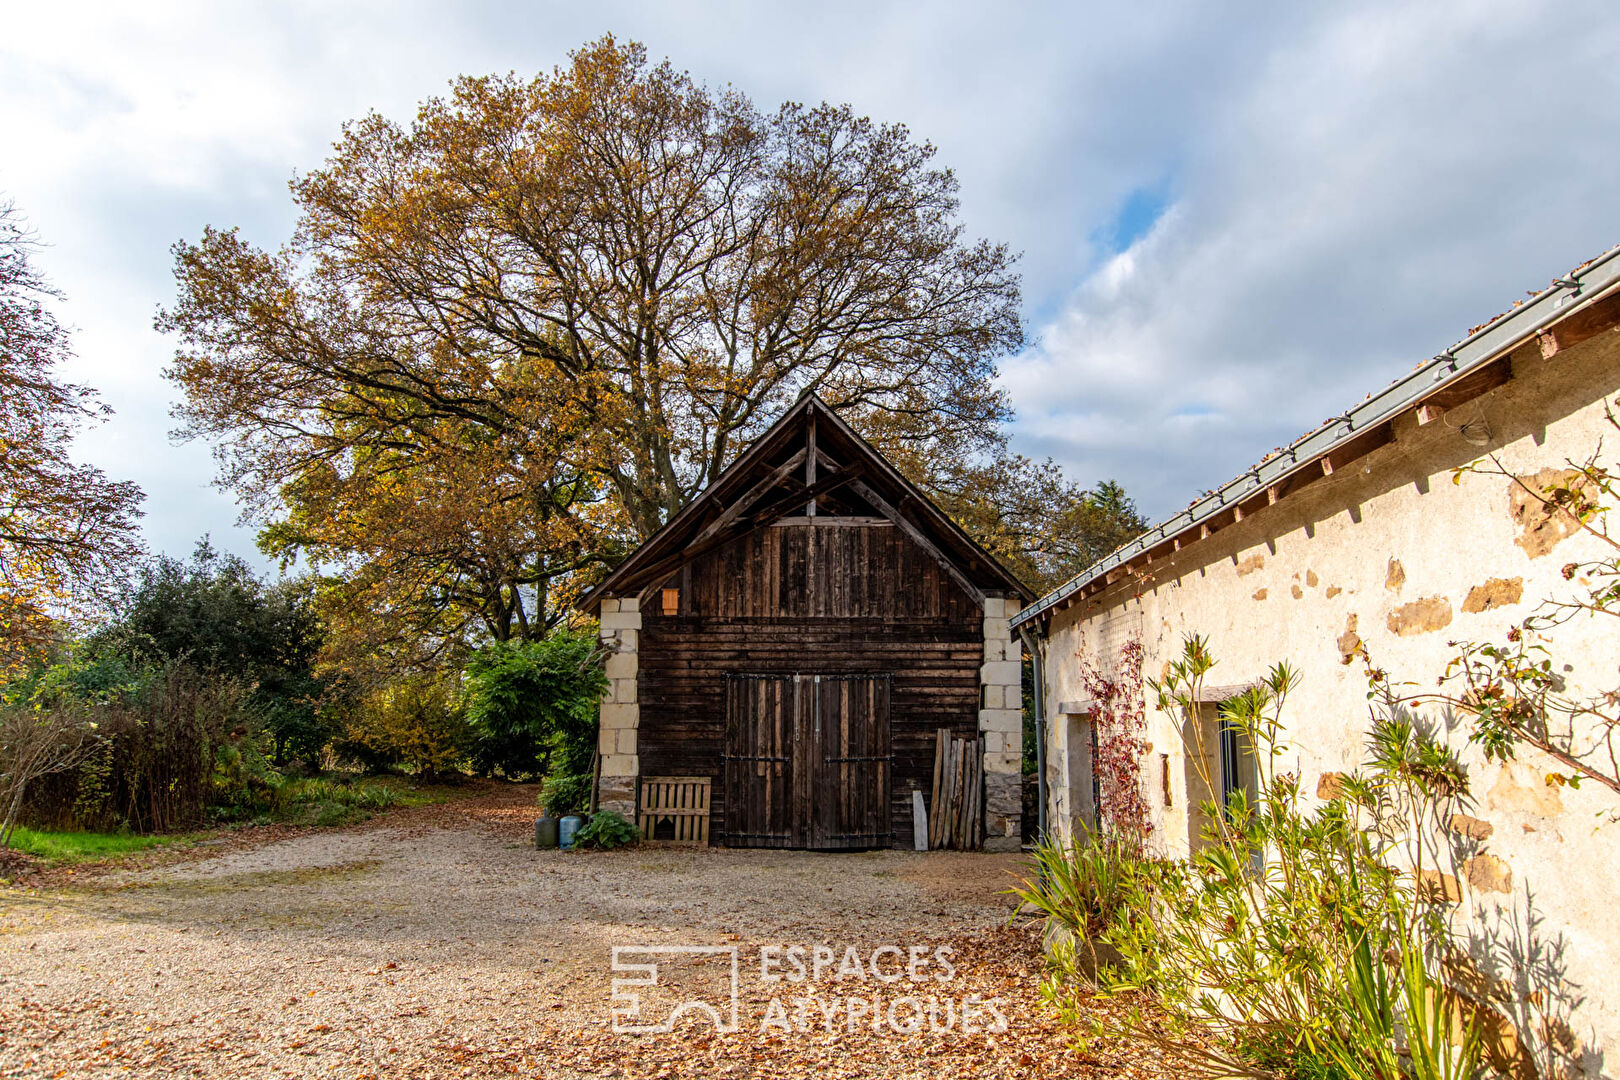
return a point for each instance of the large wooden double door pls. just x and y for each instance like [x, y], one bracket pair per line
[807, 761]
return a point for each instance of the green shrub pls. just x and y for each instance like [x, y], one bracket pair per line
[566, 794]
[326, 801]
[605, 830]
[1083, 886]
[214, 613]
[419, 723]
[533, 705]
[1290, 944]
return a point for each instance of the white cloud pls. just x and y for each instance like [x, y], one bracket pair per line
[1349, 191]
[1381, 182]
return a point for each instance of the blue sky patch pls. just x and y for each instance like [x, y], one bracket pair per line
[1137, 214]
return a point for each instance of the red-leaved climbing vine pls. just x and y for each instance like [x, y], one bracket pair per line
[1119, 717]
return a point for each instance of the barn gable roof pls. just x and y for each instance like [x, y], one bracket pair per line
[810, 452]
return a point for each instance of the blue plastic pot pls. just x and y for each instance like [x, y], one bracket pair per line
[567, 828]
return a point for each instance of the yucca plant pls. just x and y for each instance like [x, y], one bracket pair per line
[1082, 887]
[1295, 942]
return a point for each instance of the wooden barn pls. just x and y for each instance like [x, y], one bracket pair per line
[785, 651]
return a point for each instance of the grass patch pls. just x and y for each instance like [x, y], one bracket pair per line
[332, 801]
[409, 792]
[323, 801]
[72, 847]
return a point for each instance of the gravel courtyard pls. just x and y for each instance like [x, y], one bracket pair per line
[437, 942]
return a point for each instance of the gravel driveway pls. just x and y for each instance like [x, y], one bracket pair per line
[437, 942]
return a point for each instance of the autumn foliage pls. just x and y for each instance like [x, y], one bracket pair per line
[509, 339]
[67, 532]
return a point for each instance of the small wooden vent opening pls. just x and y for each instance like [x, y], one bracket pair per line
[671, 601]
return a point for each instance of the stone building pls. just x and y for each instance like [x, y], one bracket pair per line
[1362, 539]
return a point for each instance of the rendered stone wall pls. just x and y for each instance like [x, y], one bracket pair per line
[1389, 558]
[621, 710]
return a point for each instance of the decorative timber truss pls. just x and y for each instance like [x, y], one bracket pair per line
[809, 468]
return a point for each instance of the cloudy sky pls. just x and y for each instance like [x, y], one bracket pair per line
[1236, 218]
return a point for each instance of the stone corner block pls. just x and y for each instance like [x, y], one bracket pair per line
[610, 606]
[1001, 720]
[621, 620]
[1002, 844]
[1490, 874]
[1001, 673]
[621, 765]
[620, 714]
[630, 604]
[1003, 763]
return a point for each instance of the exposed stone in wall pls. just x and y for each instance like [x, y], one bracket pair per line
[1519, 788]
[1250, 565]
[617, 793]
[1438, 887]
[621, 710]
[1471, 827]
[1420, 616]
[1350, 642]
[1259, 594]
[1332, 591]
[1003, 809]
[1473, 989]
[1311, 579]
[1329, 785]
[1495, 593]
[1489, 874]
[1395, 576]
[1541, 528]
[1297, 592]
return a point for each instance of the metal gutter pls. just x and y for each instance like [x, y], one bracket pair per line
[1034, 644]
[1490, 342]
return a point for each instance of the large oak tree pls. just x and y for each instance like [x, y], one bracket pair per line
[597, 282]
[514, 336]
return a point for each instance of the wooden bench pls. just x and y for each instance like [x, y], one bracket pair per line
[681, 800]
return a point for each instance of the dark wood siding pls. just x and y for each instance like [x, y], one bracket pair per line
[796, 599]
[827, 571]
